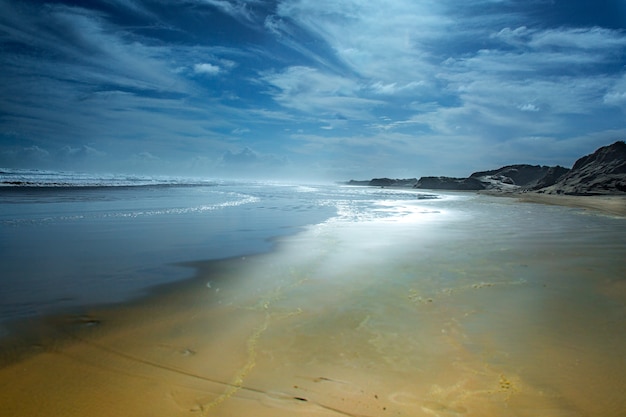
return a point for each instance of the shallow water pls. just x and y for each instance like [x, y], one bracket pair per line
[453, 317]
[66, 247]
[461, 306]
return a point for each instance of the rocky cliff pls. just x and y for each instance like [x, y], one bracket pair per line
[509, 178]
[449, 183]
[553, 175]
[520, 176]
[602, 172]
[385, 182]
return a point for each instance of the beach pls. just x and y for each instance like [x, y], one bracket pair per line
[464, 306]
[610, 204]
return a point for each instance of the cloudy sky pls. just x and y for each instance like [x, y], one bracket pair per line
[329, 89]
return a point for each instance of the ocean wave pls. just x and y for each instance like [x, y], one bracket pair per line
[10, 177]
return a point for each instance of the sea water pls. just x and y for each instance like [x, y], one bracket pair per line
[365, 301]
[75, 244]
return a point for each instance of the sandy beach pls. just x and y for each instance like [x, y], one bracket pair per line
[326, 326]
[610, 204]
[298, 208]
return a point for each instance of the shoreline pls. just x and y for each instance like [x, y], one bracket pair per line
[608, 204]
[45, 324]
[38, 329]
[613, 204]
[324, 324]
[24, 337]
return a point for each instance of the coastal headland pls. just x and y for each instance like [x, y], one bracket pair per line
[596, 181]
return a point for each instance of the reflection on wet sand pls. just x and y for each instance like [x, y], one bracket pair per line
[333, 324]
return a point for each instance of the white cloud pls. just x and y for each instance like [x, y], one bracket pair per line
[517, 36]
[423, 57]
[83, 151]
[274, 24]
[594, 38]
[617, 98]
[239, 9]
[36, 152]
[80, 45]
[616, 94]
[245, 159]
[579, 38]
[27, 156]
[360, 73]
[319, 94]
[147, 156]
[206, 69]
[489, 106]
[394, 88]
[385, 41]
[529, 107]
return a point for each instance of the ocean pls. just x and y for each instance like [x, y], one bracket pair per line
[260, 298]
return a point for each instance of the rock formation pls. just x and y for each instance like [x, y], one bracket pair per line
[526, 176]
[385, 182]
[602, 172]
[509, 178]
[553, 175]
[449, 183]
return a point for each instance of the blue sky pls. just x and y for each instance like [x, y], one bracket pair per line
[309, 89]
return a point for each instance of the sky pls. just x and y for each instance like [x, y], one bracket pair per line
[309, 89]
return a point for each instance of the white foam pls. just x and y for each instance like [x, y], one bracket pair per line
[10, 177]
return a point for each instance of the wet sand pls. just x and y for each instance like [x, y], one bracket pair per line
[610, 204]
[344, 320]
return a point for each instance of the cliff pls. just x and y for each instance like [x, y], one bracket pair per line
[509, 178]
[385, 182]
[449, 183]
[602, 172]
[520, 176]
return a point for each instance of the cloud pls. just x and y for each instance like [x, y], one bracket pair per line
[147, 156]
[577, 38]
[246, 162]
[528, 107]
[79, 45]
[385, 42]
[70, 157]
[394, 88]
[238, 9]
[35, 152]
[244, 157]
[24, 156]
[516, 37]
[374, 80]
[418, 63]
[84, 151]
[274, 25]
[319, 94]
[206, 69]
[617, 98]
[616, 94]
